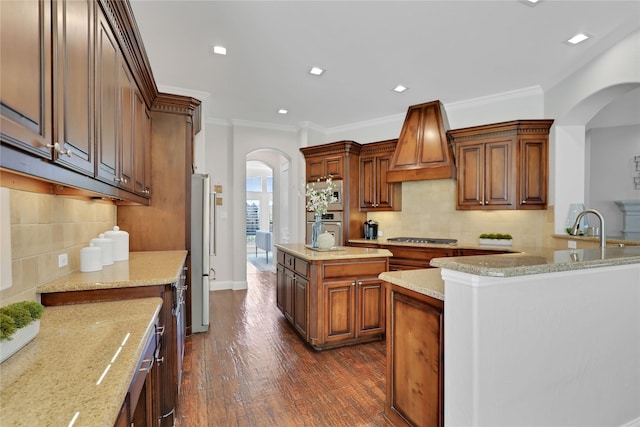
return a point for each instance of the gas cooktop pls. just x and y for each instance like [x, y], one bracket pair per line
[422, 240]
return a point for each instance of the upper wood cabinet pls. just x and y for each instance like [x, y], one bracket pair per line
[75, 91]
[319, 169]
[375, 193]
[502, 165]
[25, 76]
[74, 80]
[423, 151]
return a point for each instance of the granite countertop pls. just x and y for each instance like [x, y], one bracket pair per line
[538, 261]
[427, 281]
[79, 366]
[142, 269]
[340, 252]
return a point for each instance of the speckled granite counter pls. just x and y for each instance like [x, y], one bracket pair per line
[425, 281]
[540, 261]
[341, 252]
[79, 366]
[142, 268]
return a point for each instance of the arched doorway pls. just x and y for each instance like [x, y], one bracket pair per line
[267, 196]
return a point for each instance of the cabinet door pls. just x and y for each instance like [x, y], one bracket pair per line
[339, 303]
[289, 288]
[126, 128]
[499, 187]
[415, 361]
[74, 82]
[141, 145]
[107, 110]
[301, 304]
[280, 288]
[25, 76]
[470, 176]
[367, 183]
[384, 190]
[334, 167]
[533, 173]
[370, 301]
[315, 169]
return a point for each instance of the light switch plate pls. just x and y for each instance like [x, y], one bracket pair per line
[571, 244]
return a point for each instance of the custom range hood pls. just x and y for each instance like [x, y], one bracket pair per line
[422, 151]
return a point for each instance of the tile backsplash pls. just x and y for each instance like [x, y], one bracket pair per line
[44, 226]
[429, 210]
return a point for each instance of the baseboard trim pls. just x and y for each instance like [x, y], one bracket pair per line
[225, 285]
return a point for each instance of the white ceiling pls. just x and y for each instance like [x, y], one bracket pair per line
[447, 50]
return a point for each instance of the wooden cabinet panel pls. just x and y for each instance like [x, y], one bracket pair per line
[415, 358]
[289, 295]
[301, 306]
[533, 172]
[74, 84]
[126, 129]
[503, 165]
[499, 179]
[339, 298]
[319, 169]
[410, 257]
[26, 76]
[376, 193]
[107, 110]
[142, 148]
[371, 310]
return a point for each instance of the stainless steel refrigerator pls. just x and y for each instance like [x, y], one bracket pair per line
[202, 238]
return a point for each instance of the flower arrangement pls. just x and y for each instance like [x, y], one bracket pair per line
[496, 239]
[318, 200]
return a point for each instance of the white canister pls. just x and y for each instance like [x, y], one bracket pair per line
[106, 244]
[90, 259]
[120, 243]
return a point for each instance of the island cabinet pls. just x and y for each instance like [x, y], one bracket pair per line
[159, 386]
[502, 165]
[411, 257]
[332, 303]
[415, 358]
[376, 193]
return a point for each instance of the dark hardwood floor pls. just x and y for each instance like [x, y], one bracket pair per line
[251, 369]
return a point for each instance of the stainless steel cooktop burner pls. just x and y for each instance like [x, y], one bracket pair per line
[422, 240]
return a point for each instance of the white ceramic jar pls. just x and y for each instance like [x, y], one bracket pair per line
[120, 240]
[90, 259]
[106, 244]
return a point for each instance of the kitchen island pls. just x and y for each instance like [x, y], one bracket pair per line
[332, 297]
[79, 368]
[542, 338]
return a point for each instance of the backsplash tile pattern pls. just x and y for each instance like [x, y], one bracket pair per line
[432, 212]
[44, 226]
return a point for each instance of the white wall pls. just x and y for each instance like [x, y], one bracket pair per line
[573, 103]
[610, 171]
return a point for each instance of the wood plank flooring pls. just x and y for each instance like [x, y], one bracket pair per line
[252, 369]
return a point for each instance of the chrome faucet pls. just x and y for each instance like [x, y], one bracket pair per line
[576, 225]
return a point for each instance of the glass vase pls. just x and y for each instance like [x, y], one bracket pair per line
[316, 230]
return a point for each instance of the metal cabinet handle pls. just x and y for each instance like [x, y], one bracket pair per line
[148, 368]
[160, 360]
[160, 330]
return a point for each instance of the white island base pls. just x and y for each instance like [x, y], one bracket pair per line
[554, 349]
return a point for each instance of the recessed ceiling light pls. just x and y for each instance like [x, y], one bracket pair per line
[400, 88]
[282, 111]
[316, 71]
[220, 50]
[578, 38]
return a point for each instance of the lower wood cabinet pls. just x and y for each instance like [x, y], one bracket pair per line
[153, 394]
[415, 358]
[332, 303]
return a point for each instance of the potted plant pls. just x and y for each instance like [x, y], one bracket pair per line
[496, 239]
[19, 324]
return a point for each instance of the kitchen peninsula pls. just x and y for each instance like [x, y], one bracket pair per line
[542, 337]
[332, 297]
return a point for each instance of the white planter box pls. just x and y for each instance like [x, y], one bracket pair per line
[19, 339]
[496, 242]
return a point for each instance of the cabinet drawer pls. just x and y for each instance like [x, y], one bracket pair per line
[301, 267]
[146, 363]
[288, 261]
[280, 257]
[358, 269]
